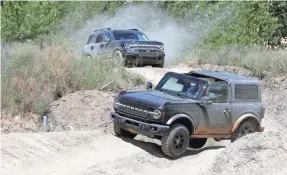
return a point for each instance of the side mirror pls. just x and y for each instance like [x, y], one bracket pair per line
[107, 39]
[206, 101]
[148, 85]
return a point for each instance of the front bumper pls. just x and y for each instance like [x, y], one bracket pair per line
[145, 57]
[149, 130]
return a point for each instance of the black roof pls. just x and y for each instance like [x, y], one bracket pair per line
[127, 31]
[119, 31]
[224, 76]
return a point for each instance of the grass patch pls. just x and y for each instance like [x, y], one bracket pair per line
[32, 77]
[261, 62]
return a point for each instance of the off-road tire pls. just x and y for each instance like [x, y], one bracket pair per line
[123, 133]
[246, 127]
[178, 136]
[161, 65]
[197, 143]
[118, 55]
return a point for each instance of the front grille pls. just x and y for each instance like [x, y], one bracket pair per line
[133, 112]
[133, 109]
[146, 51]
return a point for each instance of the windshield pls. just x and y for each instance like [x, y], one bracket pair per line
[181, 85]
[129, 36]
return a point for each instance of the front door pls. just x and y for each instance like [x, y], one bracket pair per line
[216, 117]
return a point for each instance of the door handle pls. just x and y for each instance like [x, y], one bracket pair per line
[226, 110]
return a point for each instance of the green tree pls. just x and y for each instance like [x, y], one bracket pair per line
[23, 20]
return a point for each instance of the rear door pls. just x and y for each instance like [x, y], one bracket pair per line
[98, 47]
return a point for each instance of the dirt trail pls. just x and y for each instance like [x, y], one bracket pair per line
[92, 152]
[98, 151]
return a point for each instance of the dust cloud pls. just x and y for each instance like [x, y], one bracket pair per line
[179, 38]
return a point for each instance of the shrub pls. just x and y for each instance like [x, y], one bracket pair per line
[261, 61]
[32, 78]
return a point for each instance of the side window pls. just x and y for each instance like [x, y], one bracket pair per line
[218, 92]
[108, 36]
[100, 38]
[246, 92]
[90, 38]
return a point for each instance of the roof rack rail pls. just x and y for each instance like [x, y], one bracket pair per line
[102, 29]
[134, 29]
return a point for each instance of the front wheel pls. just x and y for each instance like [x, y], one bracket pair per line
[119, 59]
[123, 133]
[174, 144]
[161, 65]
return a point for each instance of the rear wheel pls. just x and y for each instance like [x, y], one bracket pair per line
[246, 127]
[197, 143]
[123, 133]
[174, 143]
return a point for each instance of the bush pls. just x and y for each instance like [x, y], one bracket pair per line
[32, 78]
[261, 61]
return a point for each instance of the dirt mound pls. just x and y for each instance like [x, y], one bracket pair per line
[256, 154]
[18, 123]
[82, 110]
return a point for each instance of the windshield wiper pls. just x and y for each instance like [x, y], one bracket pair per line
[166, 91]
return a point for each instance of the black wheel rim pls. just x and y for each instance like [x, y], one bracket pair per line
[179, 142]
[247, 129]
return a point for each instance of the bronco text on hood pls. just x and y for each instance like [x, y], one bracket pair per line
[130, 47]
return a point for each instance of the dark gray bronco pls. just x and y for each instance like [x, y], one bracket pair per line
[183, 110]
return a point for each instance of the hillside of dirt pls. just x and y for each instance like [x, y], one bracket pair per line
[82, 110]
[256, 154]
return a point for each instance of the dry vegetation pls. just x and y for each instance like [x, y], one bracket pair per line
[262, 62]
[32, 77]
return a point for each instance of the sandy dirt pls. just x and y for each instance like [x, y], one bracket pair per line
[96, 150]
[256, 154]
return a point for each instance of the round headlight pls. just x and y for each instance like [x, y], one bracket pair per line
[116, 103]
[127, 45]
[156, 114]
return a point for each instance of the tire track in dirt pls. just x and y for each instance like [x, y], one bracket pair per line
[106, 154]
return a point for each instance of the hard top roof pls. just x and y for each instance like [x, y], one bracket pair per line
[224, 76]
[127, 30]
[118, 30]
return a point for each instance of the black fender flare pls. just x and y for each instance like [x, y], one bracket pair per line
[243, 118]
[179, 116]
